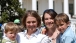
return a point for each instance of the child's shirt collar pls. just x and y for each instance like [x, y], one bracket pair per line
[65, 32]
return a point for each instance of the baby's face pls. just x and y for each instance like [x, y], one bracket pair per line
[11, 35]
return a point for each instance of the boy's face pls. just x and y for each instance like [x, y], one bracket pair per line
[62, 26]
[11, 35]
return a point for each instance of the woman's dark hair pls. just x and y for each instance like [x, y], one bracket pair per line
[51, 12]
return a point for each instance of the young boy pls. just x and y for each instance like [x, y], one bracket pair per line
[66, 33]
[11, 30]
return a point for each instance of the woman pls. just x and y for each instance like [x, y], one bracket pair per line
[50, 27]
[31, 22]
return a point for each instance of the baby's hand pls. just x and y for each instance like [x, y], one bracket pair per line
[43, 31]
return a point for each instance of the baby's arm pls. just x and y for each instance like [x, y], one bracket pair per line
[43, 31]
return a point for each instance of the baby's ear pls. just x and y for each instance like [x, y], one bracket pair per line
[43, 31]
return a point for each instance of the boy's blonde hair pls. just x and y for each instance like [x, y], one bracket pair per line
[62, 17]
[10, 26]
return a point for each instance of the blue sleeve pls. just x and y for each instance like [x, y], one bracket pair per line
[68, 40]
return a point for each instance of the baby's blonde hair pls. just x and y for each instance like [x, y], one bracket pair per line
[10, 26]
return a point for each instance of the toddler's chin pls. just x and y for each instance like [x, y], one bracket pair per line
[13, 39]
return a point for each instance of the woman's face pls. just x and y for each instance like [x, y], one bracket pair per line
[31, 23]
[49, 22]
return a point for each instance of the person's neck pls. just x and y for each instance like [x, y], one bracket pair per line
[51, 31]
[29, 32]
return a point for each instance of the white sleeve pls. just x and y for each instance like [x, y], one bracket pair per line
[18, 38]
[45, 40]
